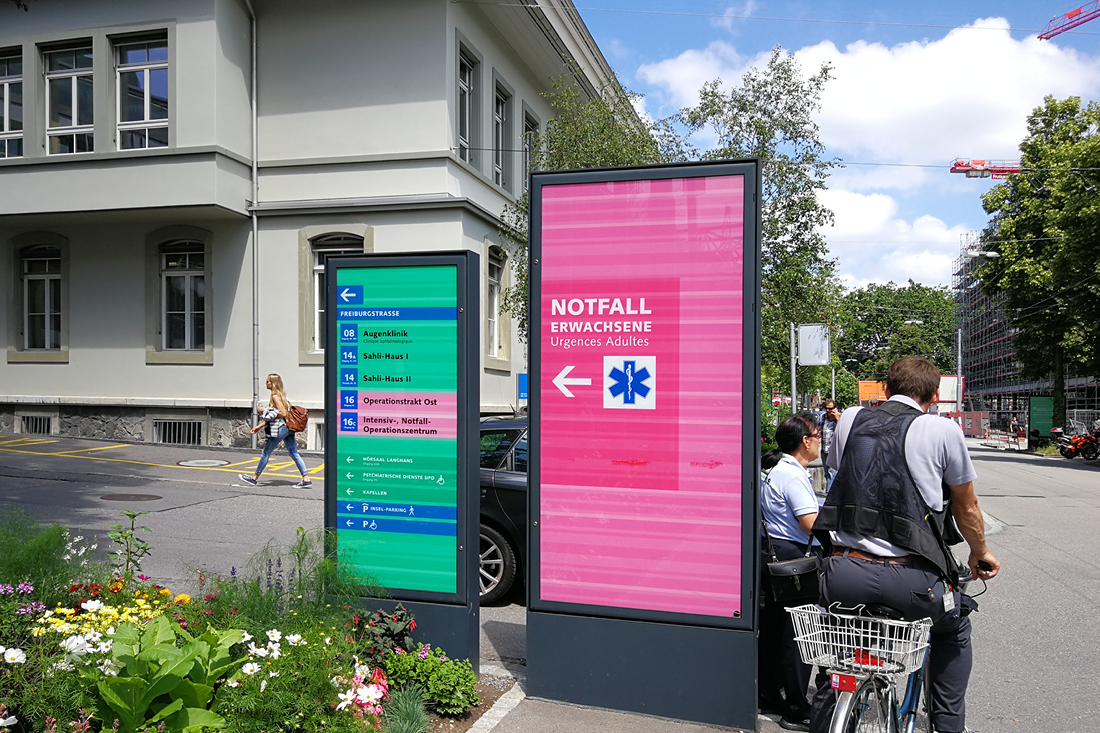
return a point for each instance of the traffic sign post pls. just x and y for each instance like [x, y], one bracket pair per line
[645, 383]
[401, 477]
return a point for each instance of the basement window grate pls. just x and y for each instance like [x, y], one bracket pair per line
[177, 432]
[36, 424]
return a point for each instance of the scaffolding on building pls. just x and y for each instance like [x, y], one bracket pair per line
[994, 385]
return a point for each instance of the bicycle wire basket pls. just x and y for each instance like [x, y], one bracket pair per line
[859, 644]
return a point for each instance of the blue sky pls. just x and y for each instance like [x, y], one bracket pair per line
[914, 84]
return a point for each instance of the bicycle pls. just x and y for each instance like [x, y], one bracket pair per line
[865, 653]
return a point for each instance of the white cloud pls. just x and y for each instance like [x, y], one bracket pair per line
[873, 244]
[734, 15]
[681, 78]
[965, 95]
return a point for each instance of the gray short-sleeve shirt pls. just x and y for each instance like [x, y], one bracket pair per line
[935, 451]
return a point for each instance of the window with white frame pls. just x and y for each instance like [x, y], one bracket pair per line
[530, 139]
[142, 83]
[465, 106]
[69, 120]
[183, 296]
[11, 106]
[501, 137]
[495, 277]
[324, 247]
[41, 298]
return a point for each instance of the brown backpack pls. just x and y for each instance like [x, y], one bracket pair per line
[296, 419]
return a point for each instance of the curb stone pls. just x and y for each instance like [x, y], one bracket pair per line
[504, 704]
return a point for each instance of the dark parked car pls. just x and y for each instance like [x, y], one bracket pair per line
[503, 505]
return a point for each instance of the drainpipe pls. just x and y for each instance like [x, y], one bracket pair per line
[255, 236]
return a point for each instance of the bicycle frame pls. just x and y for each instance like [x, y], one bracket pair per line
[903, 716]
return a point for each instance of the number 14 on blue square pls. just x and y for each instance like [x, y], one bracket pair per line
[349, 356]
[348, 378]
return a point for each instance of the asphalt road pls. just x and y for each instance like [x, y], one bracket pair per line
[1036, 639]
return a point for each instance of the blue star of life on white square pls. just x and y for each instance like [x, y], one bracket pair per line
[630, 382]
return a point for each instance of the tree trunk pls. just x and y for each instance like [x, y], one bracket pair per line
[1059, 416]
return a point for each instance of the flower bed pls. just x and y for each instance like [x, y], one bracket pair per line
[95, 648]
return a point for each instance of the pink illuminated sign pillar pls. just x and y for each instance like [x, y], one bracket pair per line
[644, 414]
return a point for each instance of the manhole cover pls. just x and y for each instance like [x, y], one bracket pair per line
[131, 497]
[203, 463]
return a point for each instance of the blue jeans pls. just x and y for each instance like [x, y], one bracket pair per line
[287, 437]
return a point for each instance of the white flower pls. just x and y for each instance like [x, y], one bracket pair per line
[250, 668]
[14, 656]
[76, 646]
[263, 685]
[276, 650]
[91, 606]
[272, 674]
[47, 614]
[63, 665]
[295, 640]
[246, 637]
[93, 636]
[258, 651]
[232, 683]
[104, 647]
[369, 695]
[64, 628]
[1, 648]
[5, 722]
[328, 640]
[274, 635]
[108, 667]
[346, 698]
[337, 681]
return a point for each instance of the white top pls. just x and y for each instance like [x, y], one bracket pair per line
[786, 495]
[935, 450]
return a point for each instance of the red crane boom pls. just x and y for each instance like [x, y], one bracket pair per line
[997, 169]
[1072, 19]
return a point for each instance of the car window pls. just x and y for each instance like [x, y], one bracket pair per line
[495, 445]
[519, 456]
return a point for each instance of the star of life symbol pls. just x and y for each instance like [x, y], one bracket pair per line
[630, 382]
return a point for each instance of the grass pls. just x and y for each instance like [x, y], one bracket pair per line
[1047, 450]
[405, 713]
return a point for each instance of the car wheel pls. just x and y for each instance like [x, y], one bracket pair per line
[497, 566]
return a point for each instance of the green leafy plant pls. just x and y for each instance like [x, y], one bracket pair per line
[450, 684]
[150, 680]
[131, 548]
[383, 632]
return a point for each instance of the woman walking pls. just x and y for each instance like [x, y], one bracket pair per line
[274, 420]
[789, 507]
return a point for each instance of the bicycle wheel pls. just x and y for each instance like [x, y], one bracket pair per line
[872, 709]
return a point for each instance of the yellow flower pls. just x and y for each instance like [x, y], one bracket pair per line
[183, 598]
[38, 631]
[164, 592]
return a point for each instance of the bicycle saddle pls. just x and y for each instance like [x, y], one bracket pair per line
[881, 610]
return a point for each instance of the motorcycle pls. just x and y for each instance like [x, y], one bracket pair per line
[1087, 446]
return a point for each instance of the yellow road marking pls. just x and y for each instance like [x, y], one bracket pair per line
[244, 463]
[28, 441]
[84, 450]
[224, 469]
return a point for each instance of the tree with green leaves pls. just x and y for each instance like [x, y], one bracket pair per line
[769, 116]
[1044, 224]
[584, 132]
[878, 324]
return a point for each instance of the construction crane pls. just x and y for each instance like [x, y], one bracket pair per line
[996, 169]
[1072, 19]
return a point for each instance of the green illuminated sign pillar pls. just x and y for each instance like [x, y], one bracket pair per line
[401, 429]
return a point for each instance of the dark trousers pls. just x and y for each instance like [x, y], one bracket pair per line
[779, 665]
[917, 592]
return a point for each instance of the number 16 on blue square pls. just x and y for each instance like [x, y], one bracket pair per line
[348, 378]
[348, 400]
